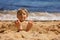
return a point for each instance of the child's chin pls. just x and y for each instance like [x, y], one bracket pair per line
[21, 20]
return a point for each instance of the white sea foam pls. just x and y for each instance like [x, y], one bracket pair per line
[47, 16]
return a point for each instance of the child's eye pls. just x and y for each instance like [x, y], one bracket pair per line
[20, 14]
[24, 14]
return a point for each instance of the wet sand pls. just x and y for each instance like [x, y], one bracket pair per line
[41, 30]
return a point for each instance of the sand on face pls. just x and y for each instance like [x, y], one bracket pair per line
[43, 30]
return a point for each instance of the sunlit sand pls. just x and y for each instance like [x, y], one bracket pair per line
[41, 30]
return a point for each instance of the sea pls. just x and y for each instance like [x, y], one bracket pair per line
[31, 5]
[48, 7]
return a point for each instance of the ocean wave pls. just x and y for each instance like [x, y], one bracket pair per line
[32, 16]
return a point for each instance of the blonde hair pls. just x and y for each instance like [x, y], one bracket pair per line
[20, 11]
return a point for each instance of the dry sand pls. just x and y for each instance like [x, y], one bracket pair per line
[43, 30]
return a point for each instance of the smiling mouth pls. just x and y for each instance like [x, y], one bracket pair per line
[21, 20]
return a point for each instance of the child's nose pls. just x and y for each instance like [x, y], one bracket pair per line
[24, 16]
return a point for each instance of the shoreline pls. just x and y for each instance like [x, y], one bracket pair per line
[33, 20]
[36, 16]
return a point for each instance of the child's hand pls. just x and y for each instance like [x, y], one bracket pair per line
[29, 25]
[17, 24]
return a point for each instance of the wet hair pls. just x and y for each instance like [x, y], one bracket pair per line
[20, 11]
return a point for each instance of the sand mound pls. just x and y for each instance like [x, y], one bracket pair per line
[39, 31]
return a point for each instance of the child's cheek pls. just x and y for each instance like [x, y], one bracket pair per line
[25, 16]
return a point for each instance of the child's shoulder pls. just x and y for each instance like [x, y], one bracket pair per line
[30, 21]
[25, 22]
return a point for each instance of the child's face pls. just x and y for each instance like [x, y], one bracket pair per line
[22, 16]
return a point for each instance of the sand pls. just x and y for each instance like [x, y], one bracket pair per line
[42, 30]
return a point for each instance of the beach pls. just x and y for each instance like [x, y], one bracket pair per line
[45, 16]
[43, 30]
[48, 29]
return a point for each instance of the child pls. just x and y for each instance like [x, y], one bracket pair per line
[22, 14]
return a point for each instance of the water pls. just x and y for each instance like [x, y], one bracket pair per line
[33, 16]
[31, 5]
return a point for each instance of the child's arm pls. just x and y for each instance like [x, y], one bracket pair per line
[17, 24]
[29, 25]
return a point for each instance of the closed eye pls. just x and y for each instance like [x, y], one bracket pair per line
[24, 14]
[19, 14]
